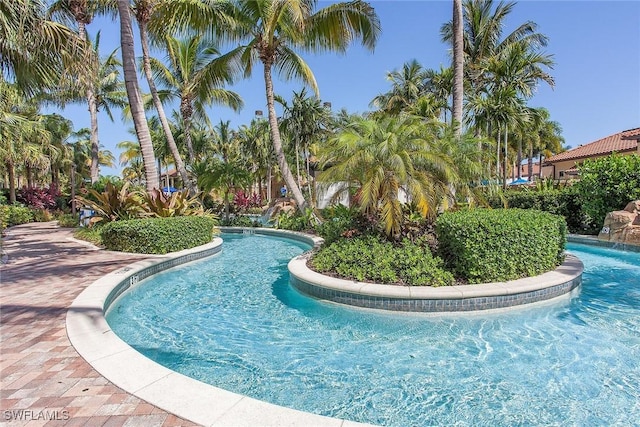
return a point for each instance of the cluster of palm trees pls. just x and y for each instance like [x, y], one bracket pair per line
[403, 148]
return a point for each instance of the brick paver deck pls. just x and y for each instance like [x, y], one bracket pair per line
[43, 381]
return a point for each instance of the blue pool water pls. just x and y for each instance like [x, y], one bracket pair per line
[234, 322]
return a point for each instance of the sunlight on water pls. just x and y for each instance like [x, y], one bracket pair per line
[234, 322]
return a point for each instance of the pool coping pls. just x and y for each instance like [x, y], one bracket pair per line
[445, 299]
[188, 398]
[207, 405]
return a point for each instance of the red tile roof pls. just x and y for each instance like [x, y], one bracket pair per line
[631, 134]
[601, 147]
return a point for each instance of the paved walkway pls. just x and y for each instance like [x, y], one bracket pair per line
[43, 381]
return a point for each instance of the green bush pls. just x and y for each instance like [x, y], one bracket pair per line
[295, 221]
[492, 245]
[15, 215]
[158, 235]
[564, 201]
[338, 221]
[89, 234]
[68, 220]
[608, 184]
[241, 221]
[368, 258]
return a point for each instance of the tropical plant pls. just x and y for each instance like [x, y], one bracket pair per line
[113, 204]
[35, 52]
[386, 158]
[305, 123]
[159, 204]
[195, 73]
[277, 28]
[407, 87]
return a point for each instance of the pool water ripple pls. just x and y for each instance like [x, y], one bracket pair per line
[234, 322]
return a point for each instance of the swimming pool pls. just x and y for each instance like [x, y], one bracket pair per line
[233, 321]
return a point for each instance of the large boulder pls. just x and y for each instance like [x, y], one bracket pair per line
[622, 226]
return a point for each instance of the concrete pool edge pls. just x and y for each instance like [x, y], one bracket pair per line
[447, 299]
[193, 400]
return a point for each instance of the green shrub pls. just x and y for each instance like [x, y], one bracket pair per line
[68, 220]
[338, 221]
[42, 215]
[608, 184]
[563, 201]
[492, 245]
[158, 235]
[241, 221]
[295, 221]
[15, 215]
[368, 258]
[89, 234]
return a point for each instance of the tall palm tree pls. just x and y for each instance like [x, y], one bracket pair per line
[145, 11]
[407, 86]
[83, 12]
[458, 66]
[102, 89]
[135, 98]
[385, 158]
[195, 73]
[277, 28]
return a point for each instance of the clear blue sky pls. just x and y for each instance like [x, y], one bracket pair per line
[596, 47]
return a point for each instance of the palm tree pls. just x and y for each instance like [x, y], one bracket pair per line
[226, 169]
[144, 12]
[102, 89]
[407, 86]
[22, 133]
[35, 52]
[458, 66]
[304, 122]
[194, 74]
[257, 148]
[83, 12]
[385, 158]
[82, 153]
[135, 98]
[277, 28]
[440, 84]
[59, 151]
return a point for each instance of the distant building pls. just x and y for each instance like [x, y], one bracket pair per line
[563, 166]
[524, 171]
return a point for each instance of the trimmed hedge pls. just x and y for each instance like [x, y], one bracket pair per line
[493, 245]
[372, 259]
[566, 202]
[158, 235]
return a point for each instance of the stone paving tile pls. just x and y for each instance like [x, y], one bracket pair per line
[43, 381]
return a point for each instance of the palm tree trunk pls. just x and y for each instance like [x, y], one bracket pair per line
[530, 162]
[506, 148]
[519, 158]
[135, 99]
[95, 143]
[226, 205]
[12, 182]
[458, 63]
[498, 156]
[277, 142]
[182, 170]
[93, 114]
